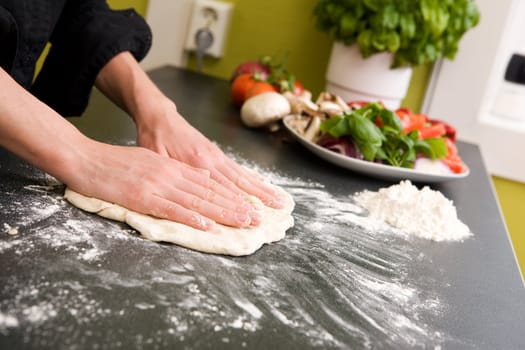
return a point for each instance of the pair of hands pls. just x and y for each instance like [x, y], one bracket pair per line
[176, 173]
[209, 187]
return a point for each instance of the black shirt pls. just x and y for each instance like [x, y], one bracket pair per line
[84, 36]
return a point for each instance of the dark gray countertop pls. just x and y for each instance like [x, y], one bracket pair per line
[72, 280]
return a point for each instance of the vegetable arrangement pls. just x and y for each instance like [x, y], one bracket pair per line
[394, 138]
[266, 92]
[266, 75]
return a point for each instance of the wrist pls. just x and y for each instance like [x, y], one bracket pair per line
[66, 157]
[157, 117]
[152, 110]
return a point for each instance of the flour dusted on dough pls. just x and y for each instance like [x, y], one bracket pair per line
[424, 213]
[219, 240]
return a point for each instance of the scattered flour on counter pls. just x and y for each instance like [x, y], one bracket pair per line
[424, 213]
[7, 321]
[335, 253]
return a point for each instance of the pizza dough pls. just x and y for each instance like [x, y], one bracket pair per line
[219, 240]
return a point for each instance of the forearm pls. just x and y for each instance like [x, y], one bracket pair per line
[33, 131]
[124, 82]
[133, 177]
[162, 129]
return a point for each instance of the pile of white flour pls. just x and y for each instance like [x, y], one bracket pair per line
[424, 213]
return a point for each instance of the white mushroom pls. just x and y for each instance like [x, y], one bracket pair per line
[299, 123]
[264, 109]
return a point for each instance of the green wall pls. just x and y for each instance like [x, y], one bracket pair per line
[286, 28]
[139, 5]
[511, 196]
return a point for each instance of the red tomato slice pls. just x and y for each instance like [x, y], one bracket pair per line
[432, 131]
[411, 121]
[455, 164]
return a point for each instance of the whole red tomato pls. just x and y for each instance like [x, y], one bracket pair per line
[240, 87]
[258, 88]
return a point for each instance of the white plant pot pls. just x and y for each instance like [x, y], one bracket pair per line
[353, 78]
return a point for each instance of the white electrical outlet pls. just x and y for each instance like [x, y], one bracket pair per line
[215, 15]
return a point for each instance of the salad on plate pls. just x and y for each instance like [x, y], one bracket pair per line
[371, 132]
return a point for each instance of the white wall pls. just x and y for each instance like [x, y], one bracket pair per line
[462, 91]
[169, 20]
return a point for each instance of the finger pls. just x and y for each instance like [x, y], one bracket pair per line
[222, 215]
[208, 189]
[208, 193]
[211, 204]
[251, 183]
[227, 183]
[165, 209]
[208, 180]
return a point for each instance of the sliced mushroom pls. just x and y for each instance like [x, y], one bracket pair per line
[306, 95]
[333, 98]
[300, 104]
[312, 130]
[344, 106]
[330, 108]
[323, 96]
[299, 123]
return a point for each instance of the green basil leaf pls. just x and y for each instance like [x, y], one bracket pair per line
[434, 148]
[363, 130]
[408, 158]
[335, 126]
[389, 118]
[368, 150]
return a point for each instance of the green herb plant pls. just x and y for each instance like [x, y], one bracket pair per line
[378, 134]
[416, 32]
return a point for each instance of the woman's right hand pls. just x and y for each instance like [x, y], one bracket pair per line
[133, 177]
[146, 182]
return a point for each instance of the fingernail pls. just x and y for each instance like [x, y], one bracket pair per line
[275, 202]
[202, 223]
[255, 218]
[243, 219]
[242, 182]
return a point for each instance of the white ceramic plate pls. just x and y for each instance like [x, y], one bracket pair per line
[370, 168]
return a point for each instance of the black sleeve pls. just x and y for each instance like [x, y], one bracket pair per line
[88, 34]
[8, 40]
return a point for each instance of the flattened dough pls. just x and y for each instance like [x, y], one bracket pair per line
[219, 240]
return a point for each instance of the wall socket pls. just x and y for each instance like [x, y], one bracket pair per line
[216, 16]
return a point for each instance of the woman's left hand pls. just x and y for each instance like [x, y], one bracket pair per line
[169, 134]
[162, 129]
